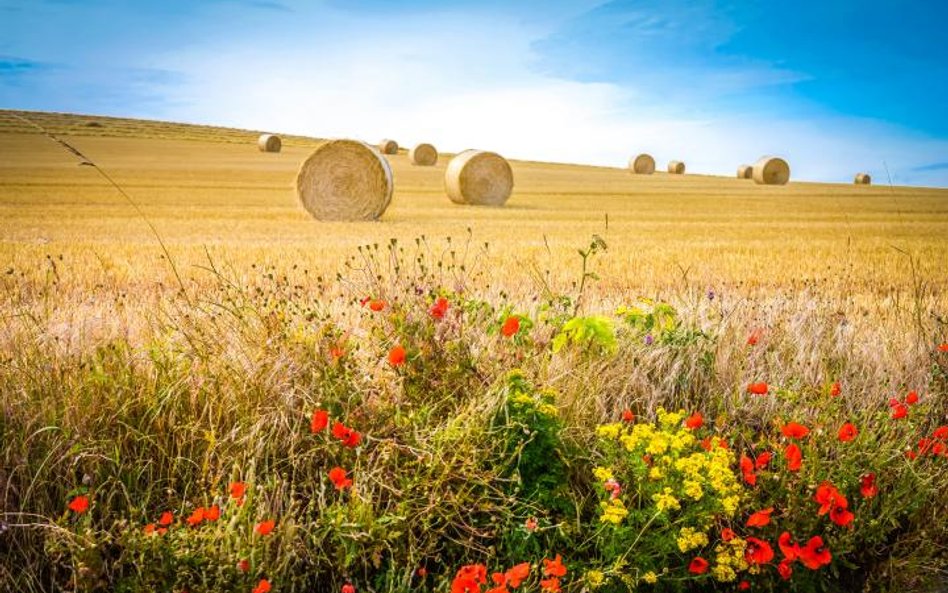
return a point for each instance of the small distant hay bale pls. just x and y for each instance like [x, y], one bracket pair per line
[423, 155]
[745, 172]
[771, 170]
[676, 168]
[388, 147]
[93, 124]
[863, 179]
[642, 164]
[478, 177]
[345, 180]
[269, 143]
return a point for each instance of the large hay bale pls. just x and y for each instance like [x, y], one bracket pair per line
[863, 179]
[423, 155]
[642, 164]
[269, 143]
[388, 147]
[676, 168]
[771, 170]
[345, 180]
[478, 177]
[745, 172]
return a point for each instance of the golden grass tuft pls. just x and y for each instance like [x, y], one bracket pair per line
[345, 180]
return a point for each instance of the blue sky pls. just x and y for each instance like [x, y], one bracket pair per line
[835, 87]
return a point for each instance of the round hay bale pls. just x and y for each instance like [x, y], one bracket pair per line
[771, 170]
[745, 172]
[269, 143]
[345, 180]
[676, 168]
[478, 177]
[388, 146]
[863, 179]
[643, 164]
[423, 155]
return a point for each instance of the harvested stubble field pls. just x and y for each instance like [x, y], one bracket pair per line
[132, 385]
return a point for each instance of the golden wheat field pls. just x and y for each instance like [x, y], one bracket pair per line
[210, 191]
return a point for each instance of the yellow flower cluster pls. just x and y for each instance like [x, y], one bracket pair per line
[603, 474]
[613, 511]
[729, 560]
[689, 539]
[595, 578]
[665, 500]
[650, 577]
[544, 406]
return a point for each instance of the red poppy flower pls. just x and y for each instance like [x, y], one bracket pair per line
[265, 527]
[785, 570]
[841, 516]
[943, 347]
[760, 518]
[348, 588]
[899, 410]
[911, 455]
[337, 476]
[941, 433]
[698, 566]
[243, 565]
[551, 585]
[836, 389]
[694, 421]
[469, 579]
[753, 338]
[759, 388]
[439, 309]
[763, 460]
[530, 524]
[336, 352]
[758, 551]
[149, 529]
[79, 504]
[196, 517]
[166, 519]
[743, 586]
[788, 547]
[829, 498]
[794, 457]
[237, 489]
[396, 356]
[262, 587]
[628, 416]
[554, 568]
[814, 555]
[319, 421]
[912, 398]
[727, 534]
[848, 432]
[517, 574]
[212, 513]
[349, 437]
[377, 305]
[747, 469]
[511, 326]
[792, 430]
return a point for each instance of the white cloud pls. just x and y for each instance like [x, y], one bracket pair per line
[466, 80]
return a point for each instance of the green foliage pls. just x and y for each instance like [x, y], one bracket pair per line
[592, 333]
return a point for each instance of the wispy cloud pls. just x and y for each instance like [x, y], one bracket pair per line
[933, 167]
